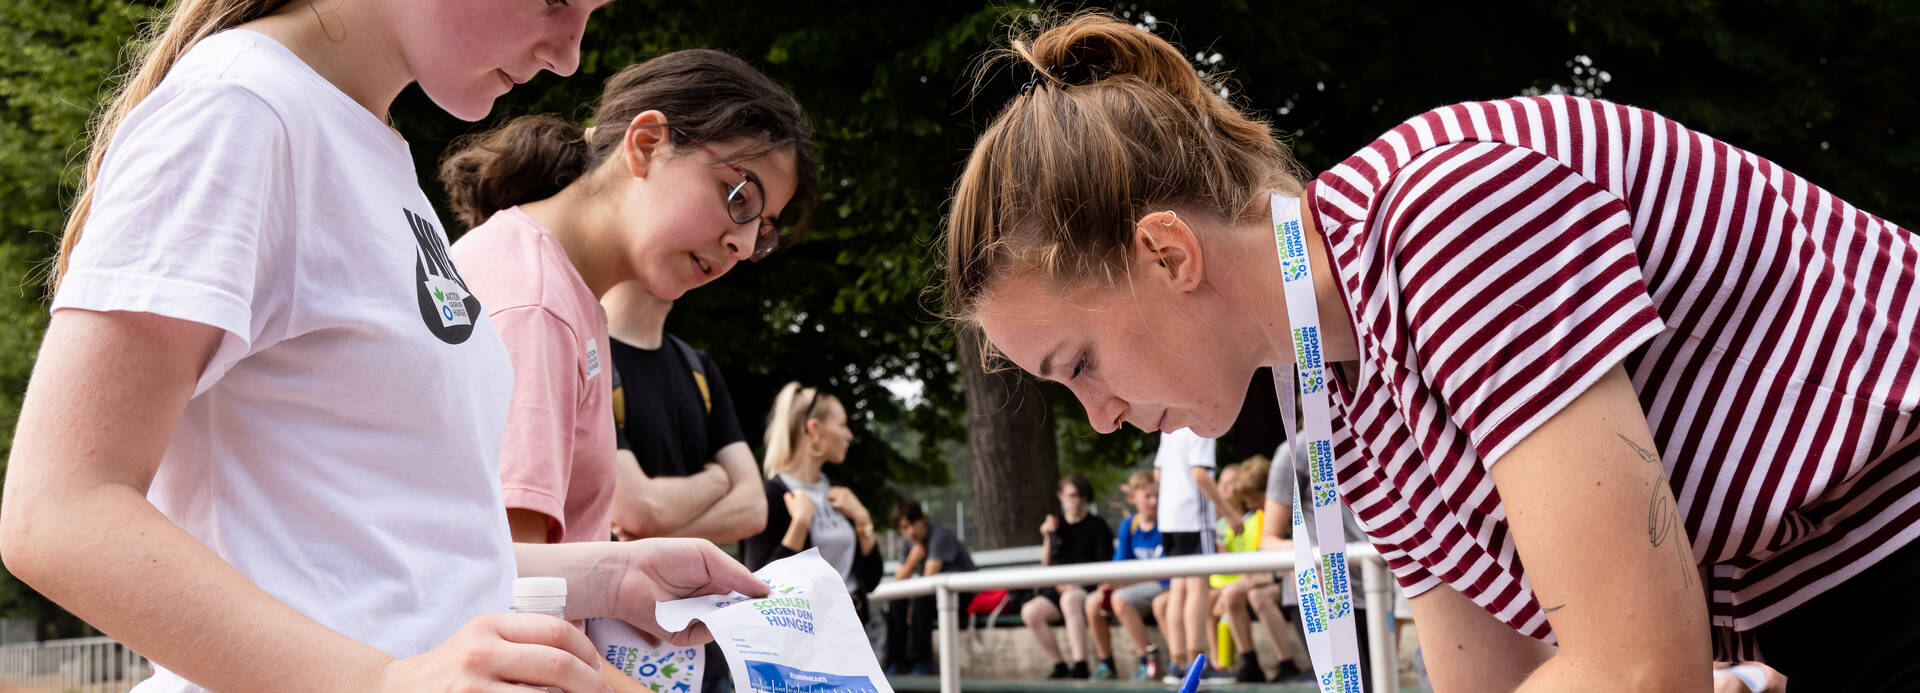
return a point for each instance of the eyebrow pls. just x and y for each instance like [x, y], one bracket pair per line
[1046, 364]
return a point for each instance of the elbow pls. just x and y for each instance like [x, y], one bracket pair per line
[634, 518]
[25, 551]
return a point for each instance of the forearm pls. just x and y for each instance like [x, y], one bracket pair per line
[662, 506]
[593, 570]
[796, 537]
[739, 514]
[111, 558]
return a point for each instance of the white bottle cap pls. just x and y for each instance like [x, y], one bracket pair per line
[540, 587]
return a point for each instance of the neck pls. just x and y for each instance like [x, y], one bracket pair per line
[588, 227]
[1073, 517]
[636, 316]
[1264, 291]
[345, 42]
[805, 467]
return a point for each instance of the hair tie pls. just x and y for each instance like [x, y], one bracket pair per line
[1033, 78]
[587, 134]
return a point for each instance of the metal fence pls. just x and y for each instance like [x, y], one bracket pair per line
[946, 586]
[80, 665]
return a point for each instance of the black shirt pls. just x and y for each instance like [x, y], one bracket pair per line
[666, 422]
[1087, 541]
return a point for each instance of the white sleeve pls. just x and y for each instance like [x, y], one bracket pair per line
[1200, 451]
[183, 212]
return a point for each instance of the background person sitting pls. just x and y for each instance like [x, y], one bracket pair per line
[1072, 536]
[1139, 538]
[929, 550]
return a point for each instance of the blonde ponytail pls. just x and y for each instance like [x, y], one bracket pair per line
[780, 430]
[179, 28]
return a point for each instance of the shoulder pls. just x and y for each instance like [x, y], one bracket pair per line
[511, 262]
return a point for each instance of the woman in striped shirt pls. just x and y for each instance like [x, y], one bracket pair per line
[1669, 378]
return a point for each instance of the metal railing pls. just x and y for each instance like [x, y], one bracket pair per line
[946, 586]
[79, 665]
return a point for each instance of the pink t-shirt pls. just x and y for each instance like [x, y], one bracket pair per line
[557, 455]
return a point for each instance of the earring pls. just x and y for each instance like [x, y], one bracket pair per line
[1169, 222]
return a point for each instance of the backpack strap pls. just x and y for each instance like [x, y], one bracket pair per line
[699, 370]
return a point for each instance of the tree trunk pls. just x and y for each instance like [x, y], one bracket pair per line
[1011, 445]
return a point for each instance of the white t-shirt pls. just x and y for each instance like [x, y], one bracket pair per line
[341, 448]
[832, 534]
[1182, 509]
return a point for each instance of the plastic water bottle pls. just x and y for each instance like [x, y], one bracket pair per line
[541, 595]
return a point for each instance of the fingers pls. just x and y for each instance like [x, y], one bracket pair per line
[727, 575]
[548, 633]
[540, 665]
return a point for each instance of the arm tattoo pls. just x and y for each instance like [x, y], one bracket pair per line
[1552, 609]
[1663, 517]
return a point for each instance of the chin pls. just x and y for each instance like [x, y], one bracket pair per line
[470, 107]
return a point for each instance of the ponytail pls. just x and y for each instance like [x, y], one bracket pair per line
[530, 158]
[787, 421]
[179, 28]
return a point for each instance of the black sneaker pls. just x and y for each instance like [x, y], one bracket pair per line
[1289, 673]
[1080, 669]
[1059, 671]
[1248, 670]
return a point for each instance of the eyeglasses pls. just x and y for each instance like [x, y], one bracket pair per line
[745, 202]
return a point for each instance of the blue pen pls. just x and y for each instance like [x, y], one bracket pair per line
[1192, 683]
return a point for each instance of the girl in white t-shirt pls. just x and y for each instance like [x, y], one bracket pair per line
[260, 442]
[1607, 394]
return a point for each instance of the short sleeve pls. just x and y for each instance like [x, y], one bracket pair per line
[1123, 543]
[1201, 451]
[1519, 285]
[944, 547]
[1280, 475]
[536, 452]
[723, 425]
[184, 215]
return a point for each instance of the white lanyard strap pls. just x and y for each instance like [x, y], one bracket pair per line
[1326, 597]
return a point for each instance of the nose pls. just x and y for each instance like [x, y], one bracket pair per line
[560, 52]
[740, 239]
[1103, 411]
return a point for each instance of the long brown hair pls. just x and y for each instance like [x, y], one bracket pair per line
[176, 31]
[707, 94]
[1116, 124]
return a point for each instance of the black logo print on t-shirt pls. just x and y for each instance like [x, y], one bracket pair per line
[446, 305]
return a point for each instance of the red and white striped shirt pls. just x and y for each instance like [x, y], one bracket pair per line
[1498, 258]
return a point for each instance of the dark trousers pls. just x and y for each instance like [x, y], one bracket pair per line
[1860, 636]
[910, 632]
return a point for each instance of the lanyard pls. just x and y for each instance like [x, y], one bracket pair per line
[1326, 597]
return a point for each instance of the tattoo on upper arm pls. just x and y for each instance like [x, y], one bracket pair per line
[1663, 517]
[1552, 609]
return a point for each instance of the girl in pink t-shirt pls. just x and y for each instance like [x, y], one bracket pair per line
[694, 157]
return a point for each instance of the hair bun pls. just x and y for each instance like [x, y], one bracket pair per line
[1092, 47]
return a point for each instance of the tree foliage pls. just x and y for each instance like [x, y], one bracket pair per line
[1820, 87]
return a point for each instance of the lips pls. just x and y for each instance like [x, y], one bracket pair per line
[701, 268]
